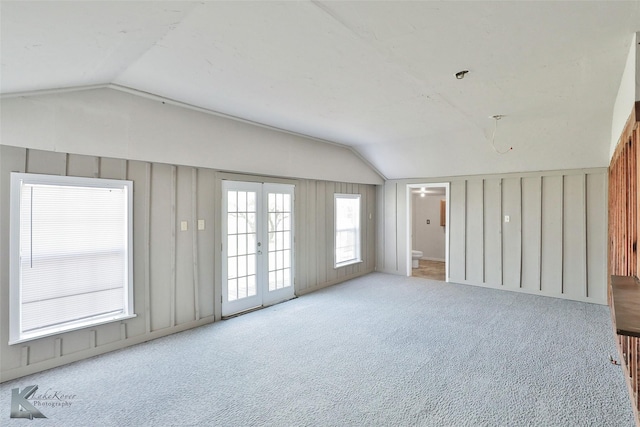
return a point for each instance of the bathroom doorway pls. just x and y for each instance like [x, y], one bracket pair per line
[428, 230]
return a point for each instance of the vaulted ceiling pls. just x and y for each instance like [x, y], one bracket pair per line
[376, 76]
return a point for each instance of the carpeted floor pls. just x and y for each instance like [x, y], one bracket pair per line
[379, 350]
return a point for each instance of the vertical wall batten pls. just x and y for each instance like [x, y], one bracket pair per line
[484, 233]
[147, 244]
[521, 232]
[57, 352]
[466, 258]
[541, 231]
[396, 225]
[585, 233]
[501, 232]
[172, 291]
[556, 223]
[194, 242]
[24, 352]
[172, 246]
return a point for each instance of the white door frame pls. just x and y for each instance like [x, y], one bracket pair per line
[409, 241]
[264, 295]
[245, 303]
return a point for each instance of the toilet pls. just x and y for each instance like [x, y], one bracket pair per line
[415, 258]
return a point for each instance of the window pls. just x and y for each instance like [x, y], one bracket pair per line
[71, 256]
[347, 223]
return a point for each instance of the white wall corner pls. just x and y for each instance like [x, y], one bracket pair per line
[628, 93]
[636, 43]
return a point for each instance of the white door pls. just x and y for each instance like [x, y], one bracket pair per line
[257, 249]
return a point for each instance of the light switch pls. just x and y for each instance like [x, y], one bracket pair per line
[184, 226]
[507, 218]
[201, 224]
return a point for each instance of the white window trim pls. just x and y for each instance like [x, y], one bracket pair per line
[15, 336]
[358, 258]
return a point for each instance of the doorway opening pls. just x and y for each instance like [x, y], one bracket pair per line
[428, 231]
[258, 252]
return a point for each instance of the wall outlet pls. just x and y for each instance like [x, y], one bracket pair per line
[201, 224]
[184, 226]
[507, 218]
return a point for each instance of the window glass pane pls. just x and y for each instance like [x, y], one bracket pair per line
[251, 223]
[287, 259]
[272, 202]
[232, 201]
[72, 257]
[287, 277]
[287, 203]
[242, 266]
[347, 233]
[286, 240]
[251, 286]
[232, 249]
[242, 223]
[251, 265]
[232, 223]
[242, 245]
[251, 243]
[232, 289]
[242, 287]
[242, 201]
[232, 267]
[251, 201]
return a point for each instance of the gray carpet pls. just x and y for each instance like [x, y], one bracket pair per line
[380, 350]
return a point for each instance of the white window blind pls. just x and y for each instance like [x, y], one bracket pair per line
[347, 224]
[71, 243]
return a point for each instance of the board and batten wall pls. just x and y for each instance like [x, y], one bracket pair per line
[554, 243]
[177, 283]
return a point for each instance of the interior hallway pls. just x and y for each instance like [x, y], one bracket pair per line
[434, 270]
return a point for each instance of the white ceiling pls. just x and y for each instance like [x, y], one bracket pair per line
[376, 76]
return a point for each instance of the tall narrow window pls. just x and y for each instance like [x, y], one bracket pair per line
[347, 223]
[70, 254]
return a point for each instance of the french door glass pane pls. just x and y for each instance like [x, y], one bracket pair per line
[279, 245]
[241, 249]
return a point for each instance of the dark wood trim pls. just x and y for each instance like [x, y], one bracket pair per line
[625, 305]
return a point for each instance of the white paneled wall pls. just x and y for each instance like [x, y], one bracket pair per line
[553, 244]
[177, 283]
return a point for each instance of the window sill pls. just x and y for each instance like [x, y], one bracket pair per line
[347, 263]
[70, 327]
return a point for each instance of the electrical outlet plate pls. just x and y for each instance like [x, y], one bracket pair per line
[507, 218]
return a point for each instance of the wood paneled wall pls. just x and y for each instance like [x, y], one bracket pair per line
[176, 273]
[623, 239]
[553, 243]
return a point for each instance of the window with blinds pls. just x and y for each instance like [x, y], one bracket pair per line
[347, 228]
[71, 245]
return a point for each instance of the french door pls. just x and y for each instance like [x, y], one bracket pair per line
[257, 245]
